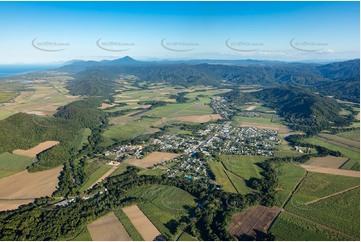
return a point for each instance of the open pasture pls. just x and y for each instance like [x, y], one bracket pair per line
[167, 198]
[243, 166]
[221, 177]
[152, 159]
[108, 228]
[37, 149]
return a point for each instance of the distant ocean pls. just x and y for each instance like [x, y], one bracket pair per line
[11, 70]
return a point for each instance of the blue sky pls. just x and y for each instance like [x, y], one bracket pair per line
[178, 30]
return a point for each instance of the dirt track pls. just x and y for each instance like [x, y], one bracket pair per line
[108, 228]
[331, 171]
[144, 226]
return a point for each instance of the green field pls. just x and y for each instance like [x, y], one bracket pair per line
[181, 109]
[318, 185]
[352, 135]
[239, 184]
[352, 164]
[292, 228]
[82, 139]
[94, 177]
[129, 227]
[243, 166]
[288, 177]
[165, 206]
[132, 128]
[83, 236]
[6, 96]
[186, 237]
[267, 118]
[121, 169]
[221, 177]
[340, 212]
[11, 164]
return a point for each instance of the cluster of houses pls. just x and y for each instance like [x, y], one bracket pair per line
[222, 107]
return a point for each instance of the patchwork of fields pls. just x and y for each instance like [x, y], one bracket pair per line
[44, 98]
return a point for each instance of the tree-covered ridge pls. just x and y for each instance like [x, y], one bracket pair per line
[302, 109]
[348, 90]
[99, 78]
[93, 82]
[23, 131]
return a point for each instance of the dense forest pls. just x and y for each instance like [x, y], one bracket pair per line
[99, 78]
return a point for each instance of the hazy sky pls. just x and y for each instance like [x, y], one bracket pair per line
[38, 32]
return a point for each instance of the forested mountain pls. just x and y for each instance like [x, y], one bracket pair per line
[348, 90]
[303, 109]
[97, 78]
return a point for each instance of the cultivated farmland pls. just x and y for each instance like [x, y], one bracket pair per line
[199, 119]
[37, 149]
[290, 227]
[108, 228]
[25, 185]
[327, 161]
[254, 220]
[333, 171]
[152, 159]
[164, 205]
[147, 230]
